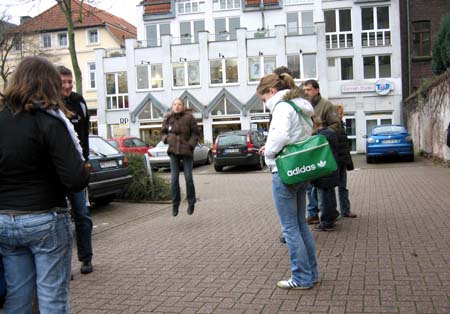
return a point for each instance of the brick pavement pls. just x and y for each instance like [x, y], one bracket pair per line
[226, 258]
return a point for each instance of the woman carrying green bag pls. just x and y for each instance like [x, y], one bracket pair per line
[288, 127]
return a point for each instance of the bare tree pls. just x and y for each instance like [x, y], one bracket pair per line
[8, 40]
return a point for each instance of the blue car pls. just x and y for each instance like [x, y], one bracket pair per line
[389, 140]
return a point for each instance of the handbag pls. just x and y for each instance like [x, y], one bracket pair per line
[305, 160]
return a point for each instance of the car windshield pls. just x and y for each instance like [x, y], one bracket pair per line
[114, 143]
[232, 139]
[99, 146]
[161, 144]
[389, 129]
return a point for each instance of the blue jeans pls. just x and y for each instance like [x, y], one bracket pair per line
[327, 206]
[290, 202]
[344, 201]
[312, 208]
[83, 225]
[37, 252]
[188, 163]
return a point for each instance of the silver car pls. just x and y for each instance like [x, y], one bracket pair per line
[159, 159]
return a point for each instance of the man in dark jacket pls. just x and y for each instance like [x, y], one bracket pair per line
[345, 163]
[78, 201]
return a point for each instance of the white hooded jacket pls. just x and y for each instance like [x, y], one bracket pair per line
[287, 126]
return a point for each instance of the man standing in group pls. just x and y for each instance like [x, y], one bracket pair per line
[324, 109]
[80, 211]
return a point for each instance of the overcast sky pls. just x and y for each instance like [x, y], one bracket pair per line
[125, 9]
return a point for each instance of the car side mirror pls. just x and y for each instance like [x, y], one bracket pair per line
[365, 136]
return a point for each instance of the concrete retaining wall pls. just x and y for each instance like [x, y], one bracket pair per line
[427, 115]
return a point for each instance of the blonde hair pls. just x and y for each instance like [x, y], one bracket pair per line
[180, 100]
[279, 82]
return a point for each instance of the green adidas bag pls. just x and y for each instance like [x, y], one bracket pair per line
[306, 160]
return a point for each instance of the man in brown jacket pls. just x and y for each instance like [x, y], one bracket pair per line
[324, 109]
[180, 131]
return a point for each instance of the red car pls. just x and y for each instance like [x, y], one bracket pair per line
[129, 144]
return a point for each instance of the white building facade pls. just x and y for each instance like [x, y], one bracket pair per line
[213, 53]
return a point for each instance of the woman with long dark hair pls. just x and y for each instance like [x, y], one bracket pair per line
[288, 127]
[40, 160]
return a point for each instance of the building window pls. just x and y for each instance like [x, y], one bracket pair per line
[62, 40]
[338, 29]
[303, 66]
[149, 76]
[191, 6]
[260, 66]
[18, 45]
[346, 69]
[421, 39]
[226, 4]
[188, 28]
[375, 27]
[225, 28]
[295, 19]
[116, 91]
[288, 2]
[154, 33]
[92, 36]
[46, 41]
[224, 71]
[377, 67]
[91, 75]
[186, 74]
[350, 129]
[224, 108]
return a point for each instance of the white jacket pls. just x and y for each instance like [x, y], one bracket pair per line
[286, 127]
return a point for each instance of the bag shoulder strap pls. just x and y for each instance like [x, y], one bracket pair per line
[298, 110]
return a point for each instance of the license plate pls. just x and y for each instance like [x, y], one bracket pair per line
[390, 141]
[161, 154]
[231, 150]
[108, 164]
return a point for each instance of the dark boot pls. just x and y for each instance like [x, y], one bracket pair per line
[190, 209]
[174, 211]
[86, 267]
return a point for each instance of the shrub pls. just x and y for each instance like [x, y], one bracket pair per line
[441, 47]
[141, 189]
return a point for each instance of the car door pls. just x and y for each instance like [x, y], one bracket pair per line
[139, 146]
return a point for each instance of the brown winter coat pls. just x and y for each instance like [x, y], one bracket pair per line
[324, 109]
[180, 131]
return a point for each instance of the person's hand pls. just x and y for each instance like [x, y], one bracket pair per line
[262, 150]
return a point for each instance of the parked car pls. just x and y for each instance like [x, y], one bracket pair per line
[235, 148]
[109, 171]
[389, 140]
[129, 144]
[158, 155]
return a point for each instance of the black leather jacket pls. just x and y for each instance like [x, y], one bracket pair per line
[38, 162]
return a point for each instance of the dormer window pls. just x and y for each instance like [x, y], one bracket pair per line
[92, 35]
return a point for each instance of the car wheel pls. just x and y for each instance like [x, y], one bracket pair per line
[218, 168]
[410, 158]
[104, 200]
[260, 163]
[369, 159]
[209, 159]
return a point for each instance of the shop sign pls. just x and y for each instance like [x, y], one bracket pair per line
[357, 88]
[383, 87]
[124, 123]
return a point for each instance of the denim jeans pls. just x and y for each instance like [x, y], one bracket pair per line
[290, 202]
[83, 225]
[344, 201]
[312, 208]
[188, 163]
[327, 206]
[37, 252]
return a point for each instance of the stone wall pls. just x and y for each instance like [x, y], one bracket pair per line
[427, 115]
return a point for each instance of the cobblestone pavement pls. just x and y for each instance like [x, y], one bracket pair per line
[226, 258]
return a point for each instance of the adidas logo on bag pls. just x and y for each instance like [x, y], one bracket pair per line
[299, 170]
[322, 164]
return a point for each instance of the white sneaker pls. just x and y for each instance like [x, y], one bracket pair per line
[291, 284]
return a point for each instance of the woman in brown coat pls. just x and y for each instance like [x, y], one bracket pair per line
[180, 131]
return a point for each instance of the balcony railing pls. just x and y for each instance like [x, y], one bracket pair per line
[293, 31]
[261, 33]
[339, 40]
[374, 38]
